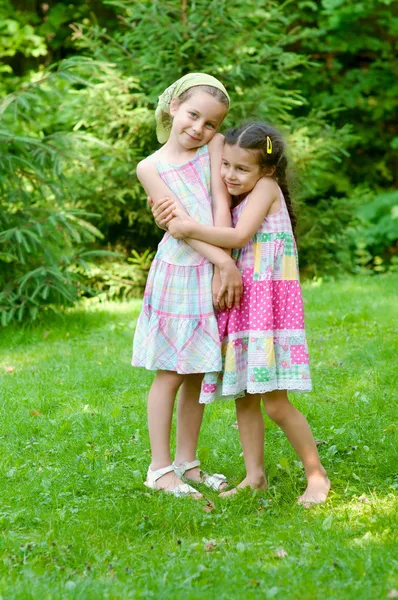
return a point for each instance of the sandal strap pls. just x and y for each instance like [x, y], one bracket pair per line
[185, 466]
[153, 476]
[215, 481]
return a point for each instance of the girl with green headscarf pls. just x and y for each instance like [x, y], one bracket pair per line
[176, 333]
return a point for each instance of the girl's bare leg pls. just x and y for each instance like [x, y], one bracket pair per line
[251, 431]
[298, 432]
[189, 420]
[160, 413]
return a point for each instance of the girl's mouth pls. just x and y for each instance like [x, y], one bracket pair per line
[193, 138]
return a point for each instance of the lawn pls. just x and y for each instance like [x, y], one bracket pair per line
[77, 522]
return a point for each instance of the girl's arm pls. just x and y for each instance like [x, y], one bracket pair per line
[221, 205]
[231, 278]
[221, 199]
[263, 196]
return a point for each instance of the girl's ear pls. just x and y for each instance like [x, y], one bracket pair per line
[174, 104]
[268, 171]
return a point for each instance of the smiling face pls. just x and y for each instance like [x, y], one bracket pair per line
[240, 169]
[196, 119]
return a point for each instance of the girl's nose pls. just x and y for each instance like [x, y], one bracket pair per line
[197, 127]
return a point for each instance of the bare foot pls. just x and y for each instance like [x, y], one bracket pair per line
[317, 491]
[170, 482]
[198, 476]
[258, 483]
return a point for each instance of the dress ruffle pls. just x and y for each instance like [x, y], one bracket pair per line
[175, 344]
[177, 329]
[263, 342]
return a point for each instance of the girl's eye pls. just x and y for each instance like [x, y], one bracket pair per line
[193, 114]
[224, 163]
[243, 170]
[210, 126]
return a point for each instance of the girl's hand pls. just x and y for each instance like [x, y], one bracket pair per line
[162, 211]
[181, 224]
[215, 288]
[231, 284]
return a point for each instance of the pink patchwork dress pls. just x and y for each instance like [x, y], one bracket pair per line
[177, 327]
[264, 347]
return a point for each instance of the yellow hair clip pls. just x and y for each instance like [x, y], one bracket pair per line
[269, 145]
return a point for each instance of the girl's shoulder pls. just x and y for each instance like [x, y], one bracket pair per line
[146, 166]
[267, 186]
[266, 192]
[216, 143]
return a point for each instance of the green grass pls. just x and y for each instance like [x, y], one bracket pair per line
[76, 521]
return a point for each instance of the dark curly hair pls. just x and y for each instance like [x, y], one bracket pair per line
[253, 136]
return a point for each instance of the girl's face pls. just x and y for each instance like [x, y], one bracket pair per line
[195, 120]
[240, 169]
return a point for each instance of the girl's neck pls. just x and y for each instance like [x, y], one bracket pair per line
[175, 153]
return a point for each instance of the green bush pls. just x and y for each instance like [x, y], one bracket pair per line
[43, 235]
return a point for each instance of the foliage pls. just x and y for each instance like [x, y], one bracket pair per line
[42, 234]
[33, 35]
[120, 280]
[353, 44]
[377, 236]
[262, 76]
[77, 521]
[323, 72]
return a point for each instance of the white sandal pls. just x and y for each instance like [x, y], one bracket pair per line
[183, 489]
[213, 482]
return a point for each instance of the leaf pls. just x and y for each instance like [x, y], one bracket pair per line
[364, 499]
[392, 593]
[391, 428]
[284, 463]
[240, 546]
[210, 545]
[208, 507]
[9, 369]
[36, 413]
[327, 523]
[281, 553]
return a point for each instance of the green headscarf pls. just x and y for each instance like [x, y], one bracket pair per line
[162, 114]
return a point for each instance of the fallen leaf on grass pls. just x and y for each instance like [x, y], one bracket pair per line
[235, 425]
[210, 545]
[208, 507]
[281, 553]
[36, 413]
[392, 594]
[10, 369]
[364, 499]
[327, 523]
[46, 334]
[391, 428]
[320, 442]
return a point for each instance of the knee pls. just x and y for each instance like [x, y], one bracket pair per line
[277, 409]
[170, 380]
[251, 402]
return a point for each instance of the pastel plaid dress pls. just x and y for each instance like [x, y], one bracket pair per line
[177, 328]
[264, 347]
